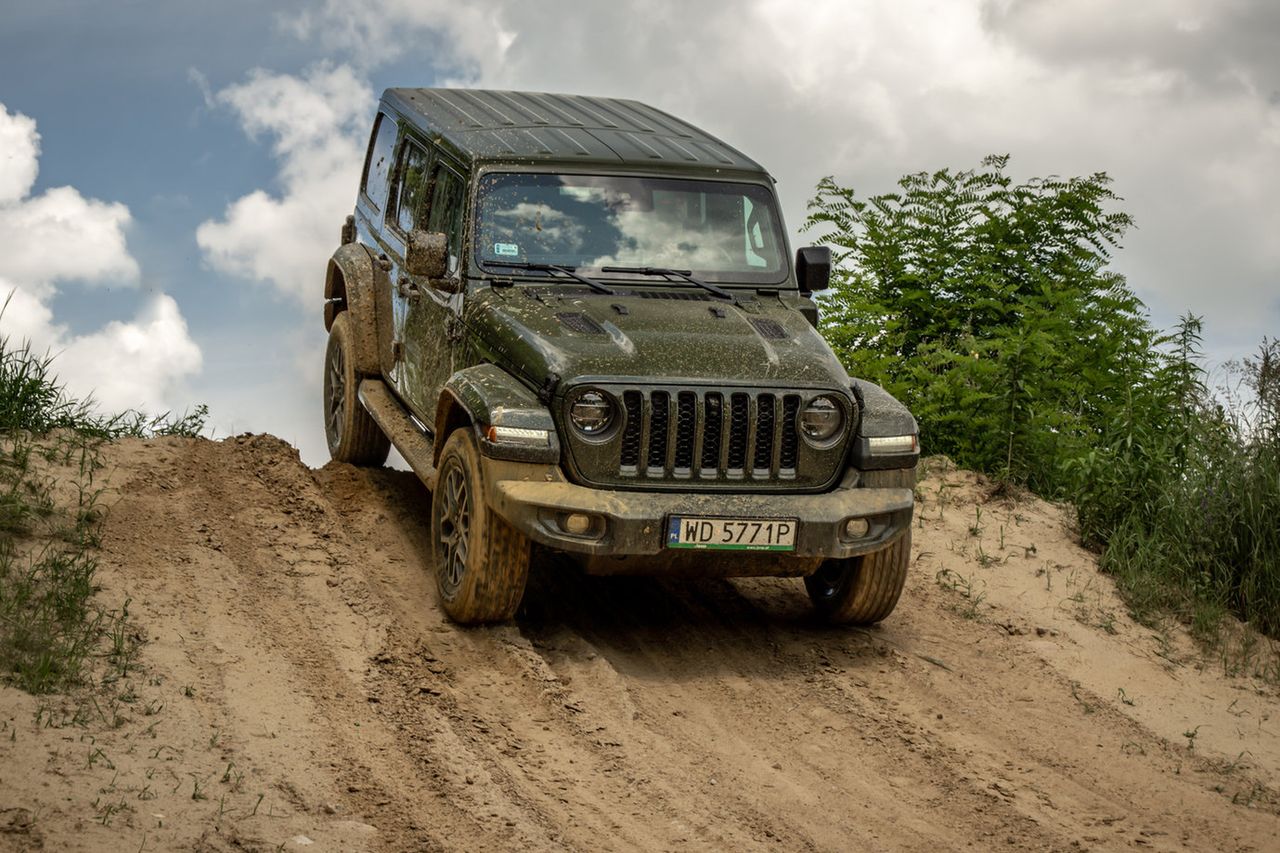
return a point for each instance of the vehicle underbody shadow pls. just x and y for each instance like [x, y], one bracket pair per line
[684, 627]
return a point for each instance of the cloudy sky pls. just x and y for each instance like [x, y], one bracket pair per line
[173, 175]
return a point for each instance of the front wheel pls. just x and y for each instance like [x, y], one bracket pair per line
[481, 561]
[352, 434]
[861, 590]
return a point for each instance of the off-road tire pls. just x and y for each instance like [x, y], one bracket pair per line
[485, 582]
[352, 434]
[863, 590]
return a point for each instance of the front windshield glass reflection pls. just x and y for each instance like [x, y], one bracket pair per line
[722, 231]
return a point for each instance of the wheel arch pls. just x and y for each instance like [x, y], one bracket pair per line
[450, 414]
[485, 395]
[349, 285]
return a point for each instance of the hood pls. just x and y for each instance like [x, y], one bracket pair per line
[670, 334]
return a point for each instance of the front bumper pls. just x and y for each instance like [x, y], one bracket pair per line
[536, 502]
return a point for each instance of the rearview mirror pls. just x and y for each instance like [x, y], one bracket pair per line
[813, 268]
[427, 254]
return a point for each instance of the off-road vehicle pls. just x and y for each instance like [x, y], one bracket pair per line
[578, 321]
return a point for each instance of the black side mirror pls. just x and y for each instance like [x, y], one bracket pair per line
[427, 254]
[813, 268]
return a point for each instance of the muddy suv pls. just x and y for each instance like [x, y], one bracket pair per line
[578, 321]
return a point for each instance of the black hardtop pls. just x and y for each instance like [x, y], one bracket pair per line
[486, 125]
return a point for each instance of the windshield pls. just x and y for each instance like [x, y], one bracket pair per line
[718, 230]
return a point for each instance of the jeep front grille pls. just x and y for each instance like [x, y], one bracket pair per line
[706, 438]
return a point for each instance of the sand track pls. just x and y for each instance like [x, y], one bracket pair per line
[300, 685]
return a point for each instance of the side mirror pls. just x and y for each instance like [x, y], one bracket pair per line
[813, 268]
[427, 254]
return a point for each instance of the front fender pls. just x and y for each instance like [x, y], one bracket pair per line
[882, 416]
[491, 397]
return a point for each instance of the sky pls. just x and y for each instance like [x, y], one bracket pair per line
[174, 175]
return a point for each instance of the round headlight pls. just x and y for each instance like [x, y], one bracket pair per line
[821, 419]
[591, 412]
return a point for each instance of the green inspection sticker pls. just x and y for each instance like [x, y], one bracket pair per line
[506, 249]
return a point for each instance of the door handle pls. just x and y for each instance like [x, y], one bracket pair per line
[409, 290]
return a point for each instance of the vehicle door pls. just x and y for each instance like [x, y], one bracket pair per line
[421, 309]
[406, 208]
[433, 322]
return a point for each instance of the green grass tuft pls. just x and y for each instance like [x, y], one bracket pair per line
[50, 626]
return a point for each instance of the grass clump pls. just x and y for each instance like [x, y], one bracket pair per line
[1189, 519]
[50, 524]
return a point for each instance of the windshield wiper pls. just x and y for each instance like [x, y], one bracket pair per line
[684, 274]
[525, 265]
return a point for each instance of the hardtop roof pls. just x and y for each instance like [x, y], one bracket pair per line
[484, 125]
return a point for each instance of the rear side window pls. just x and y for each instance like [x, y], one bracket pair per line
[377, 164]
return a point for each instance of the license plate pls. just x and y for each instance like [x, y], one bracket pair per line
[732, 534]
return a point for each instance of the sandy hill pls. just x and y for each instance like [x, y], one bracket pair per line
[299, 689]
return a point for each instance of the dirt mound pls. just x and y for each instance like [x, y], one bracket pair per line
[300, 687]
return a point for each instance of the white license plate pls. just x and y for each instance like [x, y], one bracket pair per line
[732, 534]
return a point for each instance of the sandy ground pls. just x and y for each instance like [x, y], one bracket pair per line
[299, 689]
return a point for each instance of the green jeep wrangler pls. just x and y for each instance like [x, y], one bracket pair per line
[578, 321]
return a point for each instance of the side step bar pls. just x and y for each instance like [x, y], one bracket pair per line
[415, 445]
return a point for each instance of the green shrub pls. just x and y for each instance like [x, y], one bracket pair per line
[987, 307]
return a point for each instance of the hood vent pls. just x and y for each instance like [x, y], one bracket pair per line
[684, 295]
[770, 329]
[580, 323]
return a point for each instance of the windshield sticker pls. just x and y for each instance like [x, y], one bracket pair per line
[506, 249]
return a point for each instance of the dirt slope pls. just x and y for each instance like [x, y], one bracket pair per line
[302, 691]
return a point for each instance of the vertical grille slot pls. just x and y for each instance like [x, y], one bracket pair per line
[686, 431]
[762, 459]
[659, 421]
[630, 455]
[788, 452]
[713, 422]
[737, 456]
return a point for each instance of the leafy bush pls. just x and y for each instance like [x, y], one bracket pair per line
[987, 307]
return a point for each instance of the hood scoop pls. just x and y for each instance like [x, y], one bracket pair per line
[769, 329]
[578, 322]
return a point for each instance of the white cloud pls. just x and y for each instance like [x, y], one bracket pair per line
[318, 125]
[58, 236]
[65, 236]
[456, 38]
[133, 364]
[19, 156]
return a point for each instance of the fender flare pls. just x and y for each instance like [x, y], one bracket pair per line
[882, 415]
[350, 284]
[485, 395]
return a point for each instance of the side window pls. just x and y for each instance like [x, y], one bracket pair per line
[377, 163]
[446, 213]
[411, 188]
